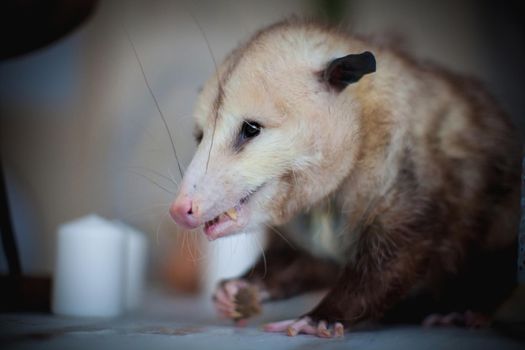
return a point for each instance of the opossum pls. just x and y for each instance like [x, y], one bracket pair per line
[397, 181]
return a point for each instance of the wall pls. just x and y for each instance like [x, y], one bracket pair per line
[79, 132]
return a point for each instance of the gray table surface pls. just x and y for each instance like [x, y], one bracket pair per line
[190, 323]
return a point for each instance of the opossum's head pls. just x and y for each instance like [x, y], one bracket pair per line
[275, 132]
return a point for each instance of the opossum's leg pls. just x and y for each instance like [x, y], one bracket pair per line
[286, 271]
[383, 272]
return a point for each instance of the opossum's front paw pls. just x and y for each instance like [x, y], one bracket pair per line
[237, 299]
[307, 325]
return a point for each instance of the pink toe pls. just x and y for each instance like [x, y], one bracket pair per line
[339, 329]
[301, 326]
[322, 330]
[280, 326]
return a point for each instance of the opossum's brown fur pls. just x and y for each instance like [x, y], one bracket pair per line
[420, 165]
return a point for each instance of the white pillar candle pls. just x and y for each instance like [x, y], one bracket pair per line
[136, 255]
[90, 268]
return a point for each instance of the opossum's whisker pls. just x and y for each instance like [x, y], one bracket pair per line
[180, 236]
[281, 235]
[159, 174]
[156, 102]
[152, 181]
[193, 238]
[196, 244]
[187, 236]
[185, 242]
[159, 226]
[263, 254]
[201, 254]
[177, 183]
[142, 211]
[219, 85]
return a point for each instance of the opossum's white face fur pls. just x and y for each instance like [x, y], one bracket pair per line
[275, 136]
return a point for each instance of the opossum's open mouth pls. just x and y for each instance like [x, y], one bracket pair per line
[230, 221]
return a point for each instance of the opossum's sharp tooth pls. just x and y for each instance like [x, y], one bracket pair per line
[232, 214]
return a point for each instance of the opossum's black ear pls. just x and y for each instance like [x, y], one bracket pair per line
[349, 69]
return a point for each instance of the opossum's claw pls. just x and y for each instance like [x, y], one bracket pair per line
[305, 325]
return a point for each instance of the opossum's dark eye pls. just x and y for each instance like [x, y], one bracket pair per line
[249, 130]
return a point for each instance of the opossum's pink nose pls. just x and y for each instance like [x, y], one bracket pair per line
[183, 212]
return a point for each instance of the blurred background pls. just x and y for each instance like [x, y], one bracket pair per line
[80, 134]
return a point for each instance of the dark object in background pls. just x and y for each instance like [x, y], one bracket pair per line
[23, 293]
[27, 25]
[6, 229]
